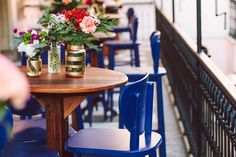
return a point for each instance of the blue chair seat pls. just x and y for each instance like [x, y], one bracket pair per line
[32, 130]
[18, 148]
[127, 44]
[114, 142]
[120, 29]
[21, 149]
[141, 70]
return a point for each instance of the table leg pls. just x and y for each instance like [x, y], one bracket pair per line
[57, 126]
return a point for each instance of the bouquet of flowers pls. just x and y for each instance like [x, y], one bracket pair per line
[75, 27]
[33, 43]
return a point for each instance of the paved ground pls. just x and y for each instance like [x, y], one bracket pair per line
[174, 144]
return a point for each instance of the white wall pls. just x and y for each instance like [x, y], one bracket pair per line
[185, 14]
[145, 11]
[221, 47]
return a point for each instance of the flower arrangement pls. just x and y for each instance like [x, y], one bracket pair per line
[59, 5]
[33, 43]
[75, 27]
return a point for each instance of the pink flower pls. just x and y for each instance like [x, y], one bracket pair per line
[15, 30]
[21, 33]
[35, 36]
[88, 24]
[88, 2]
[66, 1]
[13, 84]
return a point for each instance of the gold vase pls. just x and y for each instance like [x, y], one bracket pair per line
[75, 61]
[34, 66]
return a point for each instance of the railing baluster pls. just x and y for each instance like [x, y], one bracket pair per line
[207, 106]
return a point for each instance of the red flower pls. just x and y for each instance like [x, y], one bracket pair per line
[75, 16]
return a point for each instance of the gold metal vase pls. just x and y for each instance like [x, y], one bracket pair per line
[34, 66]
[75, 61]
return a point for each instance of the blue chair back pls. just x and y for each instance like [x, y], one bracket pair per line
[130, 14]
[134, 28]
[6, 124]
[99, 57]
[44, 57]
[32, 108]
[155, 47]
[135, 110]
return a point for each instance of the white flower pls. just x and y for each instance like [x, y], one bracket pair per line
[45, 30]
[21, 47]
[30, 50]
[34, 32]
[59, 18]
[35, 42]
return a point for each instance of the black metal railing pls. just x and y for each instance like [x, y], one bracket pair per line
[206, 102]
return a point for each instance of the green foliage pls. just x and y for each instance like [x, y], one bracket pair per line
[2, 110]
[58, 6]
[67, 33]
[26, 38]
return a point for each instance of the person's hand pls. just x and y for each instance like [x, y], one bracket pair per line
[13, 84]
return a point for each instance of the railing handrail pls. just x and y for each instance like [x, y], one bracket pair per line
[217, 75]
[138, 2]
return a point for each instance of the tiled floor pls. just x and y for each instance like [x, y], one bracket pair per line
[174, 144]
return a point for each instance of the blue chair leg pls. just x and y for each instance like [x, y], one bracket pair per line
[136, 55]
[161, 120]
[90, 103]
[111, 57]
[121, 125]
[105, 103]
[153, 154]
[79, 118]
[110, 103]
[111, 107]
[131, 58]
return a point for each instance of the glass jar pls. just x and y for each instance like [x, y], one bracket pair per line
[75, 61]
[54, 58]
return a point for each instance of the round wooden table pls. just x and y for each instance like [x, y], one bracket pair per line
[61, 95]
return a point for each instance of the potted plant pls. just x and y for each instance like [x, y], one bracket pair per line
[33, 43]
[75, 28]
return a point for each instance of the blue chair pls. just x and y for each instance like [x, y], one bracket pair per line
[133, 45]
[155, 75]
[10, 148]
[135, 103]
[122, 29]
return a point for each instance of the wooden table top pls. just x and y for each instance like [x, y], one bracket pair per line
[103, 36]
[117, 3]
[112, 15]
[95, 80]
